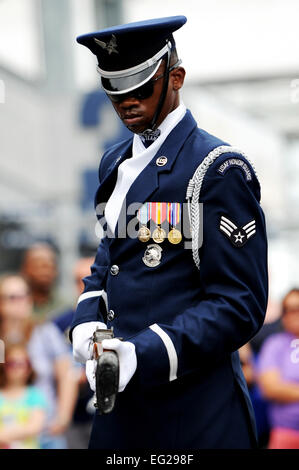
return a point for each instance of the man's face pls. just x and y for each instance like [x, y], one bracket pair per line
[40, 269]
[15, 300]
[137, 114]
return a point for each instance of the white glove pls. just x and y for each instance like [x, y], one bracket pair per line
[127, 362]
[82, 340]
[90, 368]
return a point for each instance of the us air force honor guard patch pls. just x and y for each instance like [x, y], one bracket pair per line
[152, 255]
[237, 235]
[236, 163]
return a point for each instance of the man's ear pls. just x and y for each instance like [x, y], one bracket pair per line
[178, 77]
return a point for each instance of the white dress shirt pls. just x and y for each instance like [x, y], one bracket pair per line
[130, 168]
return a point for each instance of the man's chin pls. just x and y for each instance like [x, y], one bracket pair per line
[136, 129]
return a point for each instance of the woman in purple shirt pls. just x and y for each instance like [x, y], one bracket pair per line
[278, 375]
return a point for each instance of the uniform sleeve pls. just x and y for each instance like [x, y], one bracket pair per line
[232, 283]
[91, 306]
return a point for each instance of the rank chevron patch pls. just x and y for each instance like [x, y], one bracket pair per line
[237, 235]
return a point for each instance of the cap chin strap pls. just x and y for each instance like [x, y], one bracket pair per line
[153, 124]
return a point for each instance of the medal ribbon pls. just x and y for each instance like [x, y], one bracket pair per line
[153, 211]
[178, 212]
[158, 212]
[169, 212]
[175, 213]
[143, 213]
[149, 210]
[161, 212]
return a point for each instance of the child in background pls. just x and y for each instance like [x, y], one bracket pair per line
[278, 370]
[22, 406]
[49, 355]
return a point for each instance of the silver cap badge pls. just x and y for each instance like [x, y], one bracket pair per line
[110, 46]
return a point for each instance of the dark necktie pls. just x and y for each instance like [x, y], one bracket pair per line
[149, 136]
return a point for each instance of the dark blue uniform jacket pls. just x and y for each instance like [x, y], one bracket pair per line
[187, 324]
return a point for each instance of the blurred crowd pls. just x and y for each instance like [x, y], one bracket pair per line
[45, 399]
[270, 364]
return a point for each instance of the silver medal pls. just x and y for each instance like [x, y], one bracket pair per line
[152, 255]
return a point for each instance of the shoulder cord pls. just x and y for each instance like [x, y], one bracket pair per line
[193, 194]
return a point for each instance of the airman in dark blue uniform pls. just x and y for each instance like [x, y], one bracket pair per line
[183, 306]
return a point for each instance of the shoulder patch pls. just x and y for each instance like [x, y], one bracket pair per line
[236, 163]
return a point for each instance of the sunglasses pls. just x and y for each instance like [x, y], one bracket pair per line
[143, 92]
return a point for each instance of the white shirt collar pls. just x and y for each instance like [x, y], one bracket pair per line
[171, 120]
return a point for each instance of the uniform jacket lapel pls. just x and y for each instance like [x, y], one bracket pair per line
[148, 180]
[108, 174]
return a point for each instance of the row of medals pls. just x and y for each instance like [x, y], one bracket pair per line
[159, 235]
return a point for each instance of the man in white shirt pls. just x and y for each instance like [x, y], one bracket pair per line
[182, 313]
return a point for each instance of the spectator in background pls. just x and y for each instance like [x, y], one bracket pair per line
[49, 355]
[78, 433]
[247, 363]
[260, 404]
[81, 269]
[279, 376]
[39, 267]
[15, 309]
[22, 405]
[272, 324]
